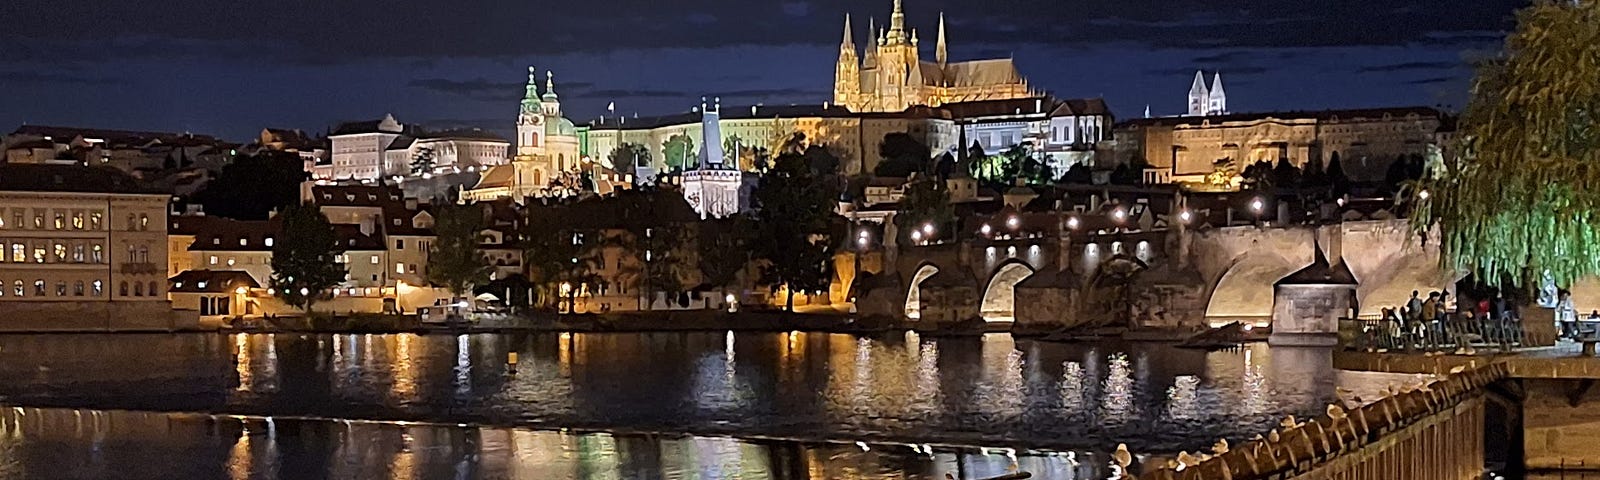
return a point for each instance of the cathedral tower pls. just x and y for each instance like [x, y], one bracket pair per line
[939, 53]
[530, 120]
[847, 75]
[1217, 100]
[1199, 97]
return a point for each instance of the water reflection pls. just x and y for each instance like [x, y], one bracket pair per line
[990, 390]
[39, 444]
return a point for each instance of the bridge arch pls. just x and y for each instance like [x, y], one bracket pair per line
[1000, 296]
[1244, 293]
[913, 305]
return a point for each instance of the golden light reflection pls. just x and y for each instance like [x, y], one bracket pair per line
[927, 381]
[404, 464]
[239, 458]
[1117, 403]
[241, 361]
[1002, 365]
[402, 367]
[1072, 386]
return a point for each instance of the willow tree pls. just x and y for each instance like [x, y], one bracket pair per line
[1522, 198]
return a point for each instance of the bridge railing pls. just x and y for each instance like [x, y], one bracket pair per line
[1405, 431]
[1449, 335]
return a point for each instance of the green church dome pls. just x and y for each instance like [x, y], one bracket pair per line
[560, 126]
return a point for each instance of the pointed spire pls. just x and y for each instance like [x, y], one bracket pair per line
[897, 24]
[1199, 87]
[869, 60]
[939, 50]
[1216, 85]
[848, 40]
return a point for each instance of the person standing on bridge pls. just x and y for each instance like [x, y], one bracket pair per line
[1413, 307]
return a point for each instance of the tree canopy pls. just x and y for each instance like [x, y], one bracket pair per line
[627, 156]
[902, 156]
[303, 257]
[1521, 201]
[793, 222]
[251, 187]
[926, 203]
[454, 261]
[679, 152]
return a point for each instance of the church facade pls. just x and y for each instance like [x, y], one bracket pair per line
[890, 76]
[549, 157]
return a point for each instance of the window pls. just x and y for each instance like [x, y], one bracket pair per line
[412, 268]
[38, 253]
[138, 289]
[18, 290]
[99, 288]
[144, 222]
[130, 222]
[19, 252]
[77, 253]
[268, 241]
[399, 268]
[122, 289]
[144, 254]
[94, 221]
[38, 219]
[399, 244]
[99, 256]
[244, 242]
[77, 288]
[216, 240]
[2, 222]
[154, 289]
[61, 252]
[77, 221]
[213, 259]
[374, 259]
[61, 289]
[16, 218]
[38, 288]
[230, 261]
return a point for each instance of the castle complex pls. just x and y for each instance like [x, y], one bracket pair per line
[891, 76]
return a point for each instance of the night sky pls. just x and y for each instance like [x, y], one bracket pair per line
[232, 67]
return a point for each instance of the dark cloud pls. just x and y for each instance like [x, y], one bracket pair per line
[488, 90]
[1433, 80]
[1413, 67]
[56, 78]
[318, 31]
[778, 93]
[643, 93]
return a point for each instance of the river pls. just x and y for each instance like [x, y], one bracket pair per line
[630, 405]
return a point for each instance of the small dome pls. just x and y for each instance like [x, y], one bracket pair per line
[560, 126]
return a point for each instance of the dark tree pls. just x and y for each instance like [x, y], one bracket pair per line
[555, 252]
[653, 242]
[303, 257]
[821, 160]
[1079, 174]
[1257, 176]
[628, 156]
[975, 152]
[902, 156]
[1338, 182]
[723, 250]
[423, 161]
[793, 222]
[944, 166]
[1285, 174]
[251, 187]
[454, 261]
[926, 203]
[1131, 173]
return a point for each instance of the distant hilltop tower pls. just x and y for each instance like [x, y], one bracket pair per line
[1207, 101]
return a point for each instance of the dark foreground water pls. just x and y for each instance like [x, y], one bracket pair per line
[807, 397]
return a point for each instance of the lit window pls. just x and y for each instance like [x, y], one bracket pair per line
[18, 290]
[213, 259]
[144, 222]
[98, 256]
[77, 253]
[399, 268]
[374, 259]
[201, 285]
[61, 252]
[94, 221]
[2, 222]
[38, 254]
[230, 261]
[19, 252]
[99, 288]
[38, 288]
[244, 242]
[61, 289]
[38, 220]
[269, 241]
[77, 224]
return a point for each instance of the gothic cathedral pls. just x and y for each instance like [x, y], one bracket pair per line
[891, 77]
[1205, 102]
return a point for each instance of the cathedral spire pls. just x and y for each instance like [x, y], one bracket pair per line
[550, 85]
[897, 24]
[869, 60]
[533, 84]
[848, 41]
[939, 49]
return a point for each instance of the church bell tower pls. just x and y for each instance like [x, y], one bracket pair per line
[530, 120]
[847, 80]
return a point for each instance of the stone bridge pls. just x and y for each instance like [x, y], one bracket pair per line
[1158, 278]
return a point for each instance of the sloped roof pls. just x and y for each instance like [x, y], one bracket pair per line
[498, 176]
[1320, 272]
[68, 178]
[996, 71]
[1081, 106]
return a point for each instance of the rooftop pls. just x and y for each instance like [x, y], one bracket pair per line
[68, 178]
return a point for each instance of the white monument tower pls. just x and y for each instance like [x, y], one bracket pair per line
[713, 186]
